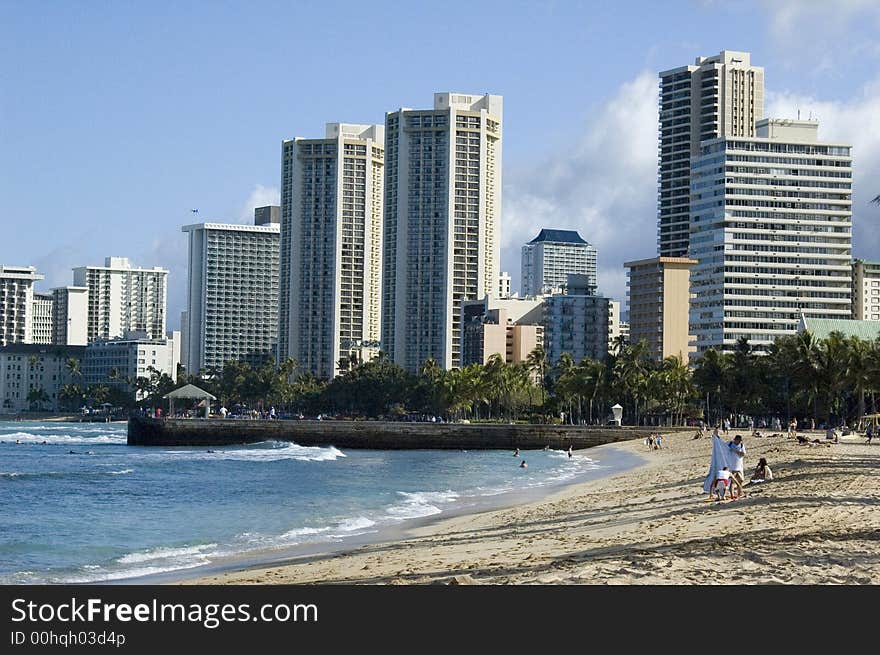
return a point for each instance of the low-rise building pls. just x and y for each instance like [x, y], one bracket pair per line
[119, 362]
[32, 375]
[510, 327]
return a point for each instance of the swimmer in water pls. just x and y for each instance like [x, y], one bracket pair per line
[523, 465]
[516, 453]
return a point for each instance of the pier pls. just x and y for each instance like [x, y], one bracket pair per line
[377, 435]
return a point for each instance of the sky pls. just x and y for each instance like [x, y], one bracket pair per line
[117, 119]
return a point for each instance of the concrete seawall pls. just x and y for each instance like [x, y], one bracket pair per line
[377, 435]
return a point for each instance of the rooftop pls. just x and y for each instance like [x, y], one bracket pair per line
[558, 236]
[822, 327]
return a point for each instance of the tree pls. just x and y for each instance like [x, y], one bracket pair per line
[37, 397]
[538, 364]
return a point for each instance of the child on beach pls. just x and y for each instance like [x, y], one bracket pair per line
[720, 484]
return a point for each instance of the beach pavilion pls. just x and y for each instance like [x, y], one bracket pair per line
[190, 392]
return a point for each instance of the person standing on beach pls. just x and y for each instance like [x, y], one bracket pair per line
[726, 426]
[737, 462]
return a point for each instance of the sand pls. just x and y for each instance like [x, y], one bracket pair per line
[818, 522]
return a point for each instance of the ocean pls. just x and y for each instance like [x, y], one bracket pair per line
[80, 506]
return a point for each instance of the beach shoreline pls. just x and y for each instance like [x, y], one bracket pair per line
[816, 523]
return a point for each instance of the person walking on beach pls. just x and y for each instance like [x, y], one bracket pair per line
[869, 433]
[569, 452]
[658, 441]
[737, 462]
[726, 426]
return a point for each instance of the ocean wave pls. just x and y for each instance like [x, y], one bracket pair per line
[276, 450]
[181, 553]
[122, 472]
[103, 575]
[28, 437]
[421, 503]
[350, 527]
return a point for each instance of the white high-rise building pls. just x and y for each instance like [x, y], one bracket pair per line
[716, 97]
[232, 298]
[442, 223]
[123, 299]
[553, 255]
[70, 316]
[17, 303]
[866, 290]
[771, 230]
[41, 318]
[331, 252]
[504, 285]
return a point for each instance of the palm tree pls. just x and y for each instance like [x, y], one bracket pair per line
[73, 367]
[539, 365]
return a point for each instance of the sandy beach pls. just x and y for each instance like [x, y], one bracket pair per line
[816, 523]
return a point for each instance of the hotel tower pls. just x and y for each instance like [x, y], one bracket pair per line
[331, 240]
[442, 218]
[716, 97]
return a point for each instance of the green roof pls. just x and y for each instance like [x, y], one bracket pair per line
[822, 327]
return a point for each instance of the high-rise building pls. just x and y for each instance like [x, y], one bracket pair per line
[771, 228]
[442, 222]
[122, 298]
[553, 255]
[232, 294]
[17, 303]
[718, 96]
[576, 322]
[511, 327]
[866, 290]
[659, 303]
[41, 318]
[70, 316]
[331, 251]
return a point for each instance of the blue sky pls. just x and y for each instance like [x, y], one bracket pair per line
[117, 118]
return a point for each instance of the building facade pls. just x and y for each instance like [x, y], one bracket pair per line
[442, 222]
[41, 318]
[658, 291]
[716, 97]
[123, 299]
[553, 255]
[118, 362]
[32, 376]
[17, 303]
[771, 229]
[331, 253]
[511, 327]
[576, 322]
[866, 290]
[70, 316]
[504, 285]
[232, 294]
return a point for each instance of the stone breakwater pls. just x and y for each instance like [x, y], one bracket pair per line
[377, 435]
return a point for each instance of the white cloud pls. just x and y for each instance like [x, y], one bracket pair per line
[855, 121]
[261, 196]
[604, 184]
[824, 37]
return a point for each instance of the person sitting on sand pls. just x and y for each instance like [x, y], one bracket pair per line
[523, 465]
[762, 472]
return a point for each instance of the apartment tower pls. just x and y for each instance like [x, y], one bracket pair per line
[17, 304]
[331, 239]
[123, 299]
[442, 221]
[232, 298]
[716, 97]
[551, 256]
[771, 230]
